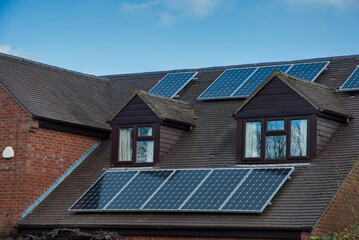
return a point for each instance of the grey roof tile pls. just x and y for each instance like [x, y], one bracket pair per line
[57, 94]
[212, 143]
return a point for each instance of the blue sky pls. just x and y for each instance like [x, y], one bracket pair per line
[109, 37]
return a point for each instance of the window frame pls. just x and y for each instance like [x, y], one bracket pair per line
[286, 132]
[154, 137]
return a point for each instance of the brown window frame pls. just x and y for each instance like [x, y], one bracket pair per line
[136, 138]
[311, 120]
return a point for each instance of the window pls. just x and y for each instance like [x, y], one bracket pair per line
[136, 145]
[275, 139]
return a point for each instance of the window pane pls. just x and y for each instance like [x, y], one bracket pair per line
[145, 131]
[125, 144]
[275, 125]
[298, 137]
[253, 139]
[276, 147]
[145, 151]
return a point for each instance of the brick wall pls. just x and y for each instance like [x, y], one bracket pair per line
[41, 156]
[343, 210]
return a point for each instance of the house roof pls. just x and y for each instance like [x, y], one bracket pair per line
[57, 94]
[165, 108]
[320, 96]
[212, 143]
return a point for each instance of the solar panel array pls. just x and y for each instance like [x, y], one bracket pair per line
[172, 84]
[352, 83]
[187, 190]
[241, 82]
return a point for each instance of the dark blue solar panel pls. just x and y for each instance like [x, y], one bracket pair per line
[227, 83]
[177, 189]
[139, 190]
[104, 189]
[307, 71]
[352, 83]
[257, 79]
[172, 84]
[257, 190]
[227, 190]
[216, 189]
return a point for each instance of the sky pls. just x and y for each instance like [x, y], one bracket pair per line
[103, 37]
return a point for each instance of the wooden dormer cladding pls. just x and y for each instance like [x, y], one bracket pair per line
[168, 118]
[136, 111]
[276, 99]
[287, 99]
[168, 138]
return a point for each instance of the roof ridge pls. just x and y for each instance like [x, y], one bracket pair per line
[244, 65]
[50, 67]
[164, 98]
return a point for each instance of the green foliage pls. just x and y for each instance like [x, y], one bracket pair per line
[348, 234]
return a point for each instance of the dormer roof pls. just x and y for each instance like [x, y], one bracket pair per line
[166, 109]
[321, 97]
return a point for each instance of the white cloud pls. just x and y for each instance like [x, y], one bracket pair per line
[332, 3]
[168, 19]
[171, 10]
[140, 6]
[16, 52]
[196, 8]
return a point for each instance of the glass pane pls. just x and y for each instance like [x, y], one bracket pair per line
[276, 147]
[145, 131]
[253, 139]
[298, 137]
[125, 144]
[145, 151]
[275, 125]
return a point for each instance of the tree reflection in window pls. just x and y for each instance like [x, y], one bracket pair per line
[298, 138]
[276, 147]
[253, 139]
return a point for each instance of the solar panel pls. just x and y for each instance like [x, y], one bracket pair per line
[257, 190]
[216, 189]
[308, 71]
[257, 79]
[227, 83]
[172, 84]
[103, 190]
[241, 82]
[177, 189]
[201, 190]
[139, 190]
[352, 83]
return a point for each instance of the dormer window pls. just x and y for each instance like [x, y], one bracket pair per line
[146, 128]
[287, 120]
[136, 144]
[276, 139]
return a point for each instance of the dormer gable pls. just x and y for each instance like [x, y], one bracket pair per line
[281, 121]
[147, 127]
[288, 95]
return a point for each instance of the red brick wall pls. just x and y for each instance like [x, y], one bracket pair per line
[41, 156]
[340, 214]
[305, 236]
